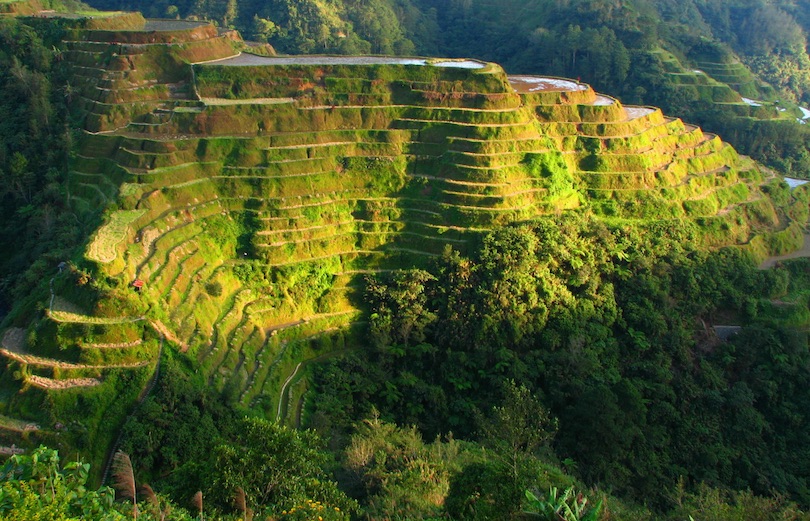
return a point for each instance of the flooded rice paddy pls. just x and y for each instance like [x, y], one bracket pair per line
[603, 101]
[637, 112]
[249, 60]
[541, 84]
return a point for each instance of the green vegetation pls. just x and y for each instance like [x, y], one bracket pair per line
[38, 487]
[569, 506]
[601, 321]
[212, 257]
[695, 59]
[103, 247]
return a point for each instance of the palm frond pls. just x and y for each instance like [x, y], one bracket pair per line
[124, 479]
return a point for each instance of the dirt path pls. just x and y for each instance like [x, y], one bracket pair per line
[17, 425]
[248, 101]
[770, 262]
[119, 345]
[167, 333]
[282, 395]
[63, 316]
[284, 398]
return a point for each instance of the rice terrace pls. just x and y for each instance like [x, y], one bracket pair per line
[244, 201]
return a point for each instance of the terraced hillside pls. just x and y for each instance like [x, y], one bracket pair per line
[248, 195]
[723, 81]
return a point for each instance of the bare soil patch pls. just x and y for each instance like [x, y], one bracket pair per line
[249, 60]
[637, 112]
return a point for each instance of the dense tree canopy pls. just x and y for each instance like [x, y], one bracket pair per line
[609, 326]
[35, 226]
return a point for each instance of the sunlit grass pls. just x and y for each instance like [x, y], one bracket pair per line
[102, 249]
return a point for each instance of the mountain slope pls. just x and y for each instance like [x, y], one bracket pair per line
[248, 195]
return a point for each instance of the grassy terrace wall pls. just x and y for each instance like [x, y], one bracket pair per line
[341, 84]
[143, 34]
[130, 71]
[20, 7]
[736, 75]
[722, 80]
[251, 200]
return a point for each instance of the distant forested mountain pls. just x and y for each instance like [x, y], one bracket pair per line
[594, 39]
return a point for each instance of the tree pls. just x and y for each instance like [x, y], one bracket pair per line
[231, 10]
[518, 428]
[770, 29]
[36, 487]
[400, 303]
[20, 179]
[277, 467]
[263, 29]
[401, 476]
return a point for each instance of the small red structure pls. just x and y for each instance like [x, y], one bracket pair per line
[138, 284]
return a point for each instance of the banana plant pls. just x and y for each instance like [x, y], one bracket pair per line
[568, 506]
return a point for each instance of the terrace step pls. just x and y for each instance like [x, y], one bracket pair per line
[55, 384]
[17, 425]
[39, 361]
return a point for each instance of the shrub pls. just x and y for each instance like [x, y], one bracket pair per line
[214, 288]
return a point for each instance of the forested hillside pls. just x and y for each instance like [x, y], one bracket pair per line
[372, 288]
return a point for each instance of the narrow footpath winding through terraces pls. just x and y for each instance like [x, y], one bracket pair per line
[770, 262]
